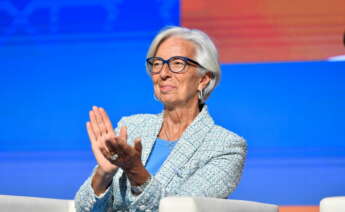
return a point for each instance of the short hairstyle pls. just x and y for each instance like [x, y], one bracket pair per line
[206, 53]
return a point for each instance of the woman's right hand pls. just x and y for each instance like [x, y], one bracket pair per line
[100, 130]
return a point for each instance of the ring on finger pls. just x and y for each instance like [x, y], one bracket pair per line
[114, 157]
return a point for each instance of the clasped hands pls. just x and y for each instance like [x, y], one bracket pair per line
[105, 143]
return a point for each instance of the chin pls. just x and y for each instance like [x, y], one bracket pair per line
[166, 97]
[167, 101]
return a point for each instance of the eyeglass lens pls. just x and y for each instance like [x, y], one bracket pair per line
[175, 64]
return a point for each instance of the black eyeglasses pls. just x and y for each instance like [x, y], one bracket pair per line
[176, 64]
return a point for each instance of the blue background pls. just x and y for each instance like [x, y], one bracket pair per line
[57, 61]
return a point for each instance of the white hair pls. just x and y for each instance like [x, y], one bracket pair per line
[206, 53]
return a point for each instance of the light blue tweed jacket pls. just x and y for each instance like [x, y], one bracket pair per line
[207, 161]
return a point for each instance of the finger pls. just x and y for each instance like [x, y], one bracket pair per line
[113, 146]
[94, 124]
[122, 144]
[90, 132]
[106, 121]
[123, 134]
[120, 148]
[137, 145]
[99, 120]
[102, 145]
[110, 144]
[103, 126]
[105, 153]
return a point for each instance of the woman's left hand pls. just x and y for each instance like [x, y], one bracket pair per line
[129, 158]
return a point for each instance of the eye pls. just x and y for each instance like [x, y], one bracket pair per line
[177, 62]
[156, 62]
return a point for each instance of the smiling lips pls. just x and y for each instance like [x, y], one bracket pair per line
[166, 88]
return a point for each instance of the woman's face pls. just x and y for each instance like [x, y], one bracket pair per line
[178, 88]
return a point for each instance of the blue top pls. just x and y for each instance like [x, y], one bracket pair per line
[159, 154]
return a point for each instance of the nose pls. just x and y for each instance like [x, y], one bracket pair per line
[165, 72]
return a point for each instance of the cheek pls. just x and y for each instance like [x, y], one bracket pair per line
[154, 81]
[155, 85]
[189, 84]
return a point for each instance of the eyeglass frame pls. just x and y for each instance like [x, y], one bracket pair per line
[185, 59]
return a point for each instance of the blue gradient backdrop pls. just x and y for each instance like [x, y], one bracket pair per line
[55, 65]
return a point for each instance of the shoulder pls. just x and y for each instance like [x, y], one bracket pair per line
[138, 120]
[219, 136]
[219, 131]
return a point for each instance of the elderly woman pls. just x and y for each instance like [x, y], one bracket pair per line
[179, 152]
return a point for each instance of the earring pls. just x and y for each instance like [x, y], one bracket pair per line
[201, 95]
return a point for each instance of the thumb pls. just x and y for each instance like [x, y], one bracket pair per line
[137, 145]
[123, 133]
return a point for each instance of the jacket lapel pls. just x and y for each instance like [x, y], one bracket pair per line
[190, 141]
[153, 127]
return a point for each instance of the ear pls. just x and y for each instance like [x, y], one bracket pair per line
[204, 80]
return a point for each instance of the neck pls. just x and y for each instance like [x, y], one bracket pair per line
[176, 119]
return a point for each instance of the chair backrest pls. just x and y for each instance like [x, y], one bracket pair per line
[10, 203]
[200, 204]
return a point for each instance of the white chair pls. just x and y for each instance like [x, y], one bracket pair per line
[10, 203]
[170, 204]
[333, 204]
[200, 204]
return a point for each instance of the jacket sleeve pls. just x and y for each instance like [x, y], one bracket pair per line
[87, 201]
[217, 178]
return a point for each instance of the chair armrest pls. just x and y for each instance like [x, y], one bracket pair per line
[332, 204]
[9, 203]
[201, 204]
